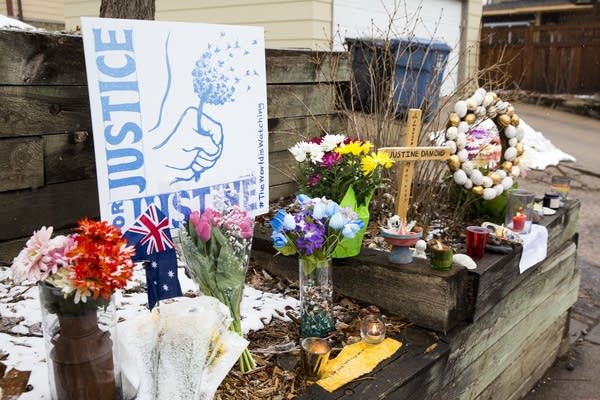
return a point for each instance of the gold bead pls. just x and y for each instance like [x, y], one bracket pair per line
[497, 179]
[514, 120]
[507, 166]
[520, 148]
[453, 162]
[470, 118]
[503, 120]
[478, 190]
[516, 161]
[453, 119]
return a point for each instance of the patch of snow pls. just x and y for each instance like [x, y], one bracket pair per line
[11, 23]
[27, 353]
[539, 152]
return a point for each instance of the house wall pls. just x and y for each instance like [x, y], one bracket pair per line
[287, 23]
[38, 11]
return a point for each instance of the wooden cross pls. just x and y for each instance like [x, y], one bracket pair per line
[407, 156]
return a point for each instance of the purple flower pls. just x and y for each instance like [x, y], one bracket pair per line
[330, 159]
[314, 180]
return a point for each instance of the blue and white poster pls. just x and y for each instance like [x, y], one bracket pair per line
[179, 116]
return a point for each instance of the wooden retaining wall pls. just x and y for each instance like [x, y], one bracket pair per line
[500, 330]
[47, 168]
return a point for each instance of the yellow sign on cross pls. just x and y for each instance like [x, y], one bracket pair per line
[407, 156]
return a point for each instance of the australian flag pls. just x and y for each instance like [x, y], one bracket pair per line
[154, 247]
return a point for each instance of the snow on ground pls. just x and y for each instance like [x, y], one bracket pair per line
[540, 152]
[27, 353]
[11, 23]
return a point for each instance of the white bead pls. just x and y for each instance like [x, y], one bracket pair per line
[499, 189]
[451, 133]
[461, 108]
[520, 132]
[507, 182]
[461, 141]
[501, 173]
[512, 142]
[510, 154]
[468, 184]
[515, 171]
[489, 194]
[480, 112]
[477, 177]
[463, 127]
[480, 92]
[467, 166]
[510, 132]
[487, 100]
[451, 145]
[460, 177]
[487, 182]
[463, 155]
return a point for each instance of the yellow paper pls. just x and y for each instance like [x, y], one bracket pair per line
[354, 361]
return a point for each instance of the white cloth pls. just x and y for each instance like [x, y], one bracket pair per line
[535, 247]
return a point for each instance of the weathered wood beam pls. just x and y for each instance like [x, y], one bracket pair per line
[21, 163]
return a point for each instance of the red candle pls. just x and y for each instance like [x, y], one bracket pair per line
[519, 222]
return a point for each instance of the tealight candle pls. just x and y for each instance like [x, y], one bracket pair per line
[440, 256]
[518, 221]
[315, 355]
[372, 329]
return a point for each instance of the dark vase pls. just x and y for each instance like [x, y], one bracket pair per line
[79, 347]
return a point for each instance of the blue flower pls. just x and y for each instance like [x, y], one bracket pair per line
[350, 230]
[337, 221]
[303, 199]
[320, 210]
[277, 223]
[279, 239]
[288, 222]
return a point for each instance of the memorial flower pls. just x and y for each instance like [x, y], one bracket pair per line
[87, 266]
[216, 246]
[329, 165]
[314, 231]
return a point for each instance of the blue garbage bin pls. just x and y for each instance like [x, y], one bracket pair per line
[412, 69]
[419, 73]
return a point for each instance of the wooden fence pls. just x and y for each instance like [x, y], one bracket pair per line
[47, 168]
[545, 59]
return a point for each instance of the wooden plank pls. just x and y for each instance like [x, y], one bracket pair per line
[410, 370]
[502, 353]
[284, 190]
[21, 163]
[428, 298]
[301, 66]
[285, 132]
[562, 226]
[36, 110]
[300, 100]
[69, 157]
[41, 58]
[535, 358]
[283, 168]
[469, 341]
[60, 205]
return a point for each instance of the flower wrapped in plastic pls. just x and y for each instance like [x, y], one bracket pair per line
[216, 247]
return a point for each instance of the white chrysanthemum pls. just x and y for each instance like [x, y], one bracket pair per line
[330, 142]
[315, 152]
[298, 151]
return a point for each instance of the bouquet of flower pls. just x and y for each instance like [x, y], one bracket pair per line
[329, 165]
[86, 267]
[216, 249]
[315, 230]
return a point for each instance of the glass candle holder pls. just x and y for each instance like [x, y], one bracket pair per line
[315, 356]
[519, 211]
[372, 329]
[476, 238]
[440, 256]
[561, 185]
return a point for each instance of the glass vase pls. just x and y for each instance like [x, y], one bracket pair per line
[316, 297]
[80, 346]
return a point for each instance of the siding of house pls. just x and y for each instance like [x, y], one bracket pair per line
[288, 24]
[51, 11]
